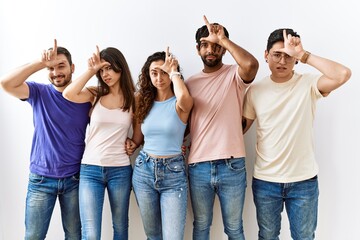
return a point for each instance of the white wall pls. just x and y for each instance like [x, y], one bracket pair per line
[138, 28]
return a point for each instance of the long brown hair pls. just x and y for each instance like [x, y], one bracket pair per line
[118, 64]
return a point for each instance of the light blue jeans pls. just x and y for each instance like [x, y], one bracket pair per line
[160, 186]
[301, 203]
[93, 182]
[40, 201]
[227, 179]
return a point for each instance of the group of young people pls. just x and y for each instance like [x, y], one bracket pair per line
[81, 144]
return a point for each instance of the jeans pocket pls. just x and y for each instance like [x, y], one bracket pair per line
[176, 165]
[76, 177]
[236, 164]
[139, 161]
[35, 179]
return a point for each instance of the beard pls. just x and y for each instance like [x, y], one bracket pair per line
[62, 83]
[211, 63]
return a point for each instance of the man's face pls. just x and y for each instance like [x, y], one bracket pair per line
[210, 53]
[280, 64]
[60, 75]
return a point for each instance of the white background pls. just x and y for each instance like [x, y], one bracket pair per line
[328, 28]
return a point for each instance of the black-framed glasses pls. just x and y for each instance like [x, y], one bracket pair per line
[276, 57]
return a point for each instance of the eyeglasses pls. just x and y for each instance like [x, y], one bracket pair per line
[276, 57]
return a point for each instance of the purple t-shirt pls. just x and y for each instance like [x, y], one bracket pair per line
[59, 132]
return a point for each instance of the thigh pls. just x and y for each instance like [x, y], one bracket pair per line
[231, 192]
[40, 202]
[147, 197]
[269, 204]
[119, 188]
[69, 204]
[91, 197]
[173, 199]
[202, 192]
[302, 207]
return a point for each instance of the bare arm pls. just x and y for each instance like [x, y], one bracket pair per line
[76, 91]
[334, 74]
[14, 82]
[184, 101]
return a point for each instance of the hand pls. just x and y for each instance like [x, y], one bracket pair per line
[94, 63]
[49, 57]
[216, 32]
[171, 63]
[292, 46]
[130, 146]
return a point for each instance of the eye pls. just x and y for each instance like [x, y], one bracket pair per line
[277, 55]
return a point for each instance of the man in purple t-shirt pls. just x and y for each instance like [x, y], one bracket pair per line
[58, 142]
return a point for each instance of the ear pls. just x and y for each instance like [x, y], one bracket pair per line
[266, 55]
[72, 68]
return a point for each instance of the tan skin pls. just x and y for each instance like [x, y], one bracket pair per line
[77, 92]
[333, 74]
[216, 44]
[60, 73]
[159, 74]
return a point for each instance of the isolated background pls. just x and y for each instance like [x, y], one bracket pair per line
[328, 28]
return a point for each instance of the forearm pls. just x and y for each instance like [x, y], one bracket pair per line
[17, 77]
[185, 101]
[334, 71]
[248, 65]
[76, 91]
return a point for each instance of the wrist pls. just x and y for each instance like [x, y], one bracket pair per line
[174, 73]
[304, 57]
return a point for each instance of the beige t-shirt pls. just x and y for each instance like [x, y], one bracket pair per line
[284, 114]
[215, 122]
[105, 142]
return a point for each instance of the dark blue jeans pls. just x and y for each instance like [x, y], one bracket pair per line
[93, 182]
[40, 201]
[301, 203]
[226, 179]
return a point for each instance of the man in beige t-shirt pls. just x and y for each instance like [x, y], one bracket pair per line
[283, 105]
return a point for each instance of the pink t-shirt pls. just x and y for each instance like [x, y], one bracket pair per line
[215, 122]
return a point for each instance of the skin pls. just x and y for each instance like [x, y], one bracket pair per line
[59, 73]
[333, 76]
[159, 74]
[213, 47]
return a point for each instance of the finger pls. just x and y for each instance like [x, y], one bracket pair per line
[284, 35]
[97, 50]
[207, 24]
[167, 51]
[55, 46]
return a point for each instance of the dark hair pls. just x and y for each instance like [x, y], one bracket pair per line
[62, 50]
[204, 32]
[118, 64]
[147, 91]
[277, 36]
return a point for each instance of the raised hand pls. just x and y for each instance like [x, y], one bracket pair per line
[170, 64]
[94, 63]
[216, 32]
[49, 57]
[292, 45]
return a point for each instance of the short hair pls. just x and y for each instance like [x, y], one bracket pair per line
[204, 32]
[62, 50]
[277, 36]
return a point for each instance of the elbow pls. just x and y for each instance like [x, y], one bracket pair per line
[345, 75]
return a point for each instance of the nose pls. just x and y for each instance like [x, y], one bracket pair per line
[282, 59]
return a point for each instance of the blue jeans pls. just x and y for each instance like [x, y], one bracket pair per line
[301, 203]
[227, 179]
[93, 182]
[40, 201]
[160, 186]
